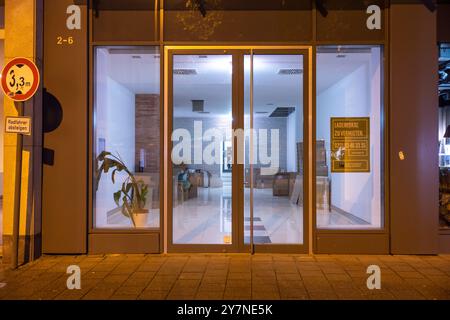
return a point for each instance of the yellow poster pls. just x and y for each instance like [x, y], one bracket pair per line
[350, 144]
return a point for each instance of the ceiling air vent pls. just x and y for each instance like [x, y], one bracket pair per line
[198, 105]
[282, 112]
[184, 72]
[289, 72]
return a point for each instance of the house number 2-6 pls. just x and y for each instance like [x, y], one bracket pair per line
[61, 40]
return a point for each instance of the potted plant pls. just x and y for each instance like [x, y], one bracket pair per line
[132, 196]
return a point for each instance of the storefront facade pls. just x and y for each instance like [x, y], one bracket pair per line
[172, 94]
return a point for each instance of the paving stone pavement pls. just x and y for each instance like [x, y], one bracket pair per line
[233, 276]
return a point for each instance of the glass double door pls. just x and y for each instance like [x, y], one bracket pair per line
[236, 150]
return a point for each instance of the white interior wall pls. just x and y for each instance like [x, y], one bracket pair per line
[291, 162]
[115, 120]
[375, 135]
[442, 120]
[294, 135]
[356, 95]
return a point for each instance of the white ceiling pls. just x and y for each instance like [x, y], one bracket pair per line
[331, 69]
[139, 75]
[212, 83]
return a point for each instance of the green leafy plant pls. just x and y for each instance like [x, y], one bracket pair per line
[132, 196]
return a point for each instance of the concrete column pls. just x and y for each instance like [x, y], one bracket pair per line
[22, 39]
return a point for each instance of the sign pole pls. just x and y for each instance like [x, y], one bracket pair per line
[19, 81]
[17, 189]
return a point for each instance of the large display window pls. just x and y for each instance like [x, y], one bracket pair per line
[349, 138]
[126, 138]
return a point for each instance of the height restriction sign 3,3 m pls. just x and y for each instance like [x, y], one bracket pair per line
[20, 79]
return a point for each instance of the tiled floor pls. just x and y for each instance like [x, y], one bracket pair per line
[240, 276]
[206, 218]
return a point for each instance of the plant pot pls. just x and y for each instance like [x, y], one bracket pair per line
[140, 218]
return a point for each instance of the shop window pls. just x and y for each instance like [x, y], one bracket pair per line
[444, 136]
[349, 137]
[127, 137]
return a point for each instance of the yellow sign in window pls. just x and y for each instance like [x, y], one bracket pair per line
[350, 144]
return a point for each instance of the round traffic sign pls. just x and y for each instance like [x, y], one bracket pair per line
[20, 79]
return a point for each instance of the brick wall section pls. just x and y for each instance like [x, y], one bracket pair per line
[147, 137]
[147, 128]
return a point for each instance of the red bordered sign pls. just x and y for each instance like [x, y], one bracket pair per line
[20, 79]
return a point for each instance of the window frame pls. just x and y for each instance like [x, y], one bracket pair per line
[92, 228]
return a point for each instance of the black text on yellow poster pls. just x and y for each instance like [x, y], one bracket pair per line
[350, 143]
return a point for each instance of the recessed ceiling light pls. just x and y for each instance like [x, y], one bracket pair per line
[184, 72]
[290, 72]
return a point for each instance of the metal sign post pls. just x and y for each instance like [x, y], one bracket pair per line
[17, 189]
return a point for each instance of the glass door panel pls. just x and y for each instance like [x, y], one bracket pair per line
[201, 127]
[273, 175]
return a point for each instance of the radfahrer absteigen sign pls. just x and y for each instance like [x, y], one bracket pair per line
[20, 125]
[19, 82]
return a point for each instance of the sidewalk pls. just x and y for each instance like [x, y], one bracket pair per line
[220, 276]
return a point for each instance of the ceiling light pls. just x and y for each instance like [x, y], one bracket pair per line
[184, 72]
[290, 72]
